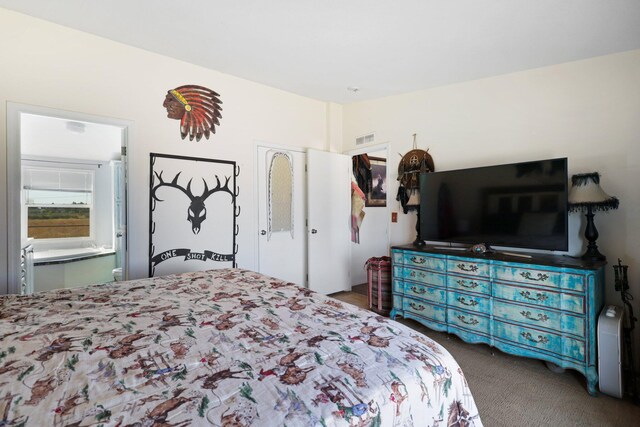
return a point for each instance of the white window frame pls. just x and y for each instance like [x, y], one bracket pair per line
[62, 242]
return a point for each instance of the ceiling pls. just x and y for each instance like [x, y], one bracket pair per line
[382, 47]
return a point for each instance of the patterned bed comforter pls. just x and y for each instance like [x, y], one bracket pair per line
[224, 347]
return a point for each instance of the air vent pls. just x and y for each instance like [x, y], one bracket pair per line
[76, 127]
[365, 139]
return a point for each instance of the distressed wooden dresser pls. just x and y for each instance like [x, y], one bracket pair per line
[544, 307]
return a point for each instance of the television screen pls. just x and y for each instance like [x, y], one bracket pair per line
[520, 205]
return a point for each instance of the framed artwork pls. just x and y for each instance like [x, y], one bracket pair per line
[378, 194]
[192, 214]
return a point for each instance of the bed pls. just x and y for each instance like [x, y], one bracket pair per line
[224, 347]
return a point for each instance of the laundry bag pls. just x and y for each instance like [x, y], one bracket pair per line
[379, 280]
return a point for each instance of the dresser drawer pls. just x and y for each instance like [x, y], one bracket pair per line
[420, 276]
[397, 301]
[540, 297]
[468, 284]
[539, 317]
[468, 267]
[470, 302]
[437, 295]
[539, 277]
[397, 257]
[540, 340]
[424, 309]
[466, 320]
[418, 259]
[398, 286]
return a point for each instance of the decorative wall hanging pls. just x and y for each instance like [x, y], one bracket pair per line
[280, 194]
[193, 214]
[409, 169]
[197, 108]
[357, 211]
[361, 166]
[377, 195]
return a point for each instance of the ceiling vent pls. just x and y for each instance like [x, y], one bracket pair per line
[76, 127]
[365, 139]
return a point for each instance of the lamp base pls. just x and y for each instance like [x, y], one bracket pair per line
[419, 243]
[592, 254]
[591, 234]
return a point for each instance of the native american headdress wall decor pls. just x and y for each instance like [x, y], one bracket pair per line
[197, 108]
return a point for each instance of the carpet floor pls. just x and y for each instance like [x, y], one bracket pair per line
[516, 391]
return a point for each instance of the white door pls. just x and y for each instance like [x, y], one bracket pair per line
[329, 217]
[282, 254]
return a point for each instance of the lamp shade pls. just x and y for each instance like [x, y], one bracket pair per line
[586, 193]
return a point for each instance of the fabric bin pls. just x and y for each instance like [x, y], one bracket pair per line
[379, 280]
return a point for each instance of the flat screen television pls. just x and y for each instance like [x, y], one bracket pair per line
[520, 205]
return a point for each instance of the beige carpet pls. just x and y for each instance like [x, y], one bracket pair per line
[515, 391]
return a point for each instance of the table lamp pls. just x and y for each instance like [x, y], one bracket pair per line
[587, 196]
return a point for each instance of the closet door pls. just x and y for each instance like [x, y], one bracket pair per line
[282, 238]
[329, 221]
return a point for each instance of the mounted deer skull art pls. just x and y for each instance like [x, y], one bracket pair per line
[197, 211]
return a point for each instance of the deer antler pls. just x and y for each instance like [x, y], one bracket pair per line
[207, 192]
[172, 184]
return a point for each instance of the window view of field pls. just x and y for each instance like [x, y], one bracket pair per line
[56, 223]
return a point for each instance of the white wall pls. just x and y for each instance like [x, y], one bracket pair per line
[49, 65]
[588, 111]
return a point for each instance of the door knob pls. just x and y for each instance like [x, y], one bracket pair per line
[314, 231]
[263, 232]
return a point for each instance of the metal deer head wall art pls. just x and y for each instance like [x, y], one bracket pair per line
[207, 239]
[198, 109]
[197, 211]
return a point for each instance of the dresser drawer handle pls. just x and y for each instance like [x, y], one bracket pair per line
[418, 260]
[471, 320]
[539, 296]
[541, 317]
[415, 306]
[420, 274]
[529, 337]
[417, 290]
[541, 277]
[471, 285]
[472, 268]
[471, 303]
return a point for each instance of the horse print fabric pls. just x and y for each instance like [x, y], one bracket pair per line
[225, 347]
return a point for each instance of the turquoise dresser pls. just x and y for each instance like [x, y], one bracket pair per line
[545, 307]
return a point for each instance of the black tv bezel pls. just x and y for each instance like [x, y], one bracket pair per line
[501, 244]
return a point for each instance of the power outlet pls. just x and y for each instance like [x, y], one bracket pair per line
[394, 216]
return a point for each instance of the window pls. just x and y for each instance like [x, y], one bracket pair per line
[59, 202]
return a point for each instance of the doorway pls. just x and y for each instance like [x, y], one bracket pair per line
[303, 211]
[373, 235]
[67, 199]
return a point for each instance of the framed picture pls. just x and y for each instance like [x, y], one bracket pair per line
[378, 194]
